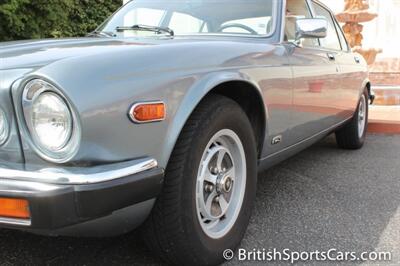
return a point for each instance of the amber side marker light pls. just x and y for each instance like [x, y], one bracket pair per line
[147, 112]
[14, 208]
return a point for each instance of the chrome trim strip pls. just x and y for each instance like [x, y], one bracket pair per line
[12, 221]
[80, 176]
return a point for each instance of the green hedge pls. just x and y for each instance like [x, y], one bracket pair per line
[33, 19]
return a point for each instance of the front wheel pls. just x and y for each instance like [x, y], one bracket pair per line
[352, 135]
[209, 189]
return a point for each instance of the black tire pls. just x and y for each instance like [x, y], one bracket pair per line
[173, 230]
[348, 137]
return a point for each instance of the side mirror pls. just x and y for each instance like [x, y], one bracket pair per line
[311, 28]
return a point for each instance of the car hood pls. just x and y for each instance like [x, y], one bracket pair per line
[37, 53]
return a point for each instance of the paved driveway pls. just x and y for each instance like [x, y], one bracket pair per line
[320, 199]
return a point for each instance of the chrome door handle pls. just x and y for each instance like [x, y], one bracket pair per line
[331, 56]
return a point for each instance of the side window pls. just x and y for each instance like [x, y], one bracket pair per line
[332, 40]
[342, 38]
[184, 23]
[297, 9]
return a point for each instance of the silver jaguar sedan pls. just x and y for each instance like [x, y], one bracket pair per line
[164, 116]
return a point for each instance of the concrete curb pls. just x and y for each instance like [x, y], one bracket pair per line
[383, 128]
[384, 119]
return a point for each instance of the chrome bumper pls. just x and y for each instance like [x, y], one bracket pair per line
[68, 196]
[78, 175]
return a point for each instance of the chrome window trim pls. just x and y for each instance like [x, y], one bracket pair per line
[313, 15]
[340, 32]
[313, 2]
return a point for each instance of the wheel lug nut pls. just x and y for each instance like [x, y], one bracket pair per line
[208, 188]
[214, 170]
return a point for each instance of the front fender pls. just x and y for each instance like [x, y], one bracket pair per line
[107, 133]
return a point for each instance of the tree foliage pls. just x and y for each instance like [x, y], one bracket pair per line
[33, 19]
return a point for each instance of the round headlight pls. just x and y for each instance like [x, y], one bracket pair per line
[3, 127]
[51, 122]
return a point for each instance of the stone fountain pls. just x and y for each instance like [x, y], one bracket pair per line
[356, 12]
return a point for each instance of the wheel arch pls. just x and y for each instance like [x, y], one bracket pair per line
[371, 94]
[231, 85]
[367, 84]
[251, 101]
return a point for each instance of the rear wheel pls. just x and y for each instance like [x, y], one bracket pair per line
[209, 189]
[352, 135]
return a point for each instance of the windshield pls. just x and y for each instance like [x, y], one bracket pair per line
[188, 17]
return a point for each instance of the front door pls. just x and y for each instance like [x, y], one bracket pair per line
[352, 72]
[315, 73]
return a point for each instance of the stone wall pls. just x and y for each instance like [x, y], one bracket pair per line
[386, 72]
